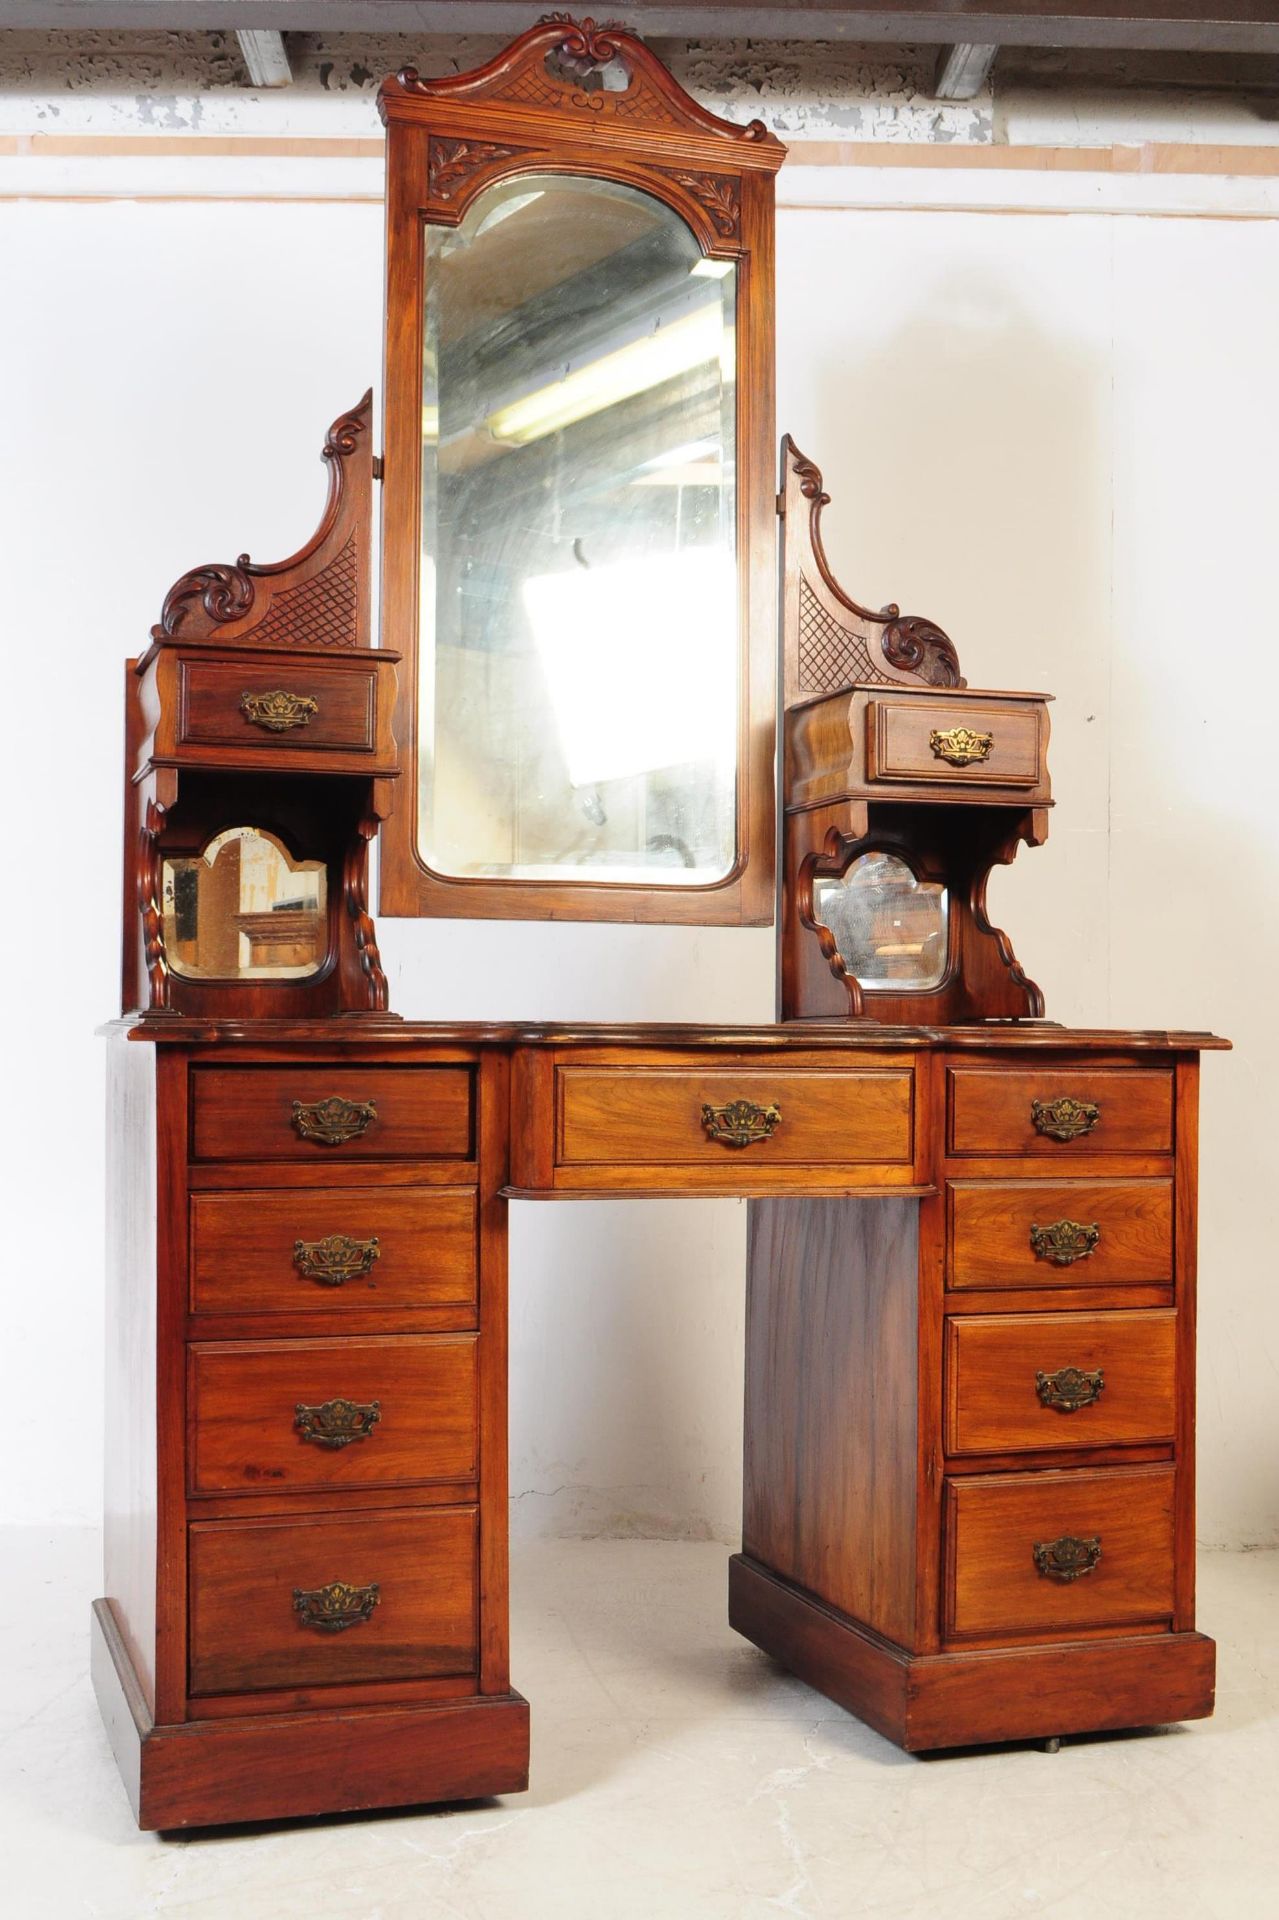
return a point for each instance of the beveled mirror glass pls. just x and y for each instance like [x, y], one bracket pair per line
[577, 697]
[244, 910]
[889, 926]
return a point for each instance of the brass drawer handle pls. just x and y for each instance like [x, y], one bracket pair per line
[1068, 1558]
[278, 711]
[1069, 1388]
[334, 1120]
[337, 1422]
[336, 1607]
[1065, 1241]
[1064, 1119]
[337, 1258]
[960, 746]
[741, 1122]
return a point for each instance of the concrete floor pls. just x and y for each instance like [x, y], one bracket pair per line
[677, 1775]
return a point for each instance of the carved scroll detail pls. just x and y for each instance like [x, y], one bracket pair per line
[831, 641]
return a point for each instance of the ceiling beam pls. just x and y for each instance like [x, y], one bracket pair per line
[264, 54]
[962, 71]
[1233, 26]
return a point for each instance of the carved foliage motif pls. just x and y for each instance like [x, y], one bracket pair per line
[225, 593]
[720, 194]
[450, 163]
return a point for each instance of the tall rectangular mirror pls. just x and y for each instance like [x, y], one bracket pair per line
[578, 515]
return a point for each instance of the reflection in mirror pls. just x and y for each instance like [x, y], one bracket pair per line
[243, 910]
[578, 707]
[889, 927]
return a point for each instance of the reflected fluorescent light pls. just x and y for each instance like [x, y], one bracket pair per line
[712, 269]
[616, 376]
[640, 661]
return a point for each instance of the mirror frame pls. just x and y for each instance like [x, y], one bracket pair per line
[448, 140]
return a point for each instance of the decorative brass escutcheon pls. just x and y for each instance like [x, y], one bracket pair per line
[1065, 1241]
[741, 1123]
[334, 1120]
[335, 1259]
[1069, 1388]
[1068, 1558]
[278, 711]
[337, 1422]
[960, 746]
[336, 1607]
[1064, 1119]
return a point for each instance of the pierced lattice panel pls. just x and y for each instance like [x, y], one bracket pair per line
[321, 613]
[830, 655]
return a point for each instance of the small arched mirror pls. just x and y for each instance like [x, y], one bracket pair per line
[578, 532]
[244, 909]
[890, 928]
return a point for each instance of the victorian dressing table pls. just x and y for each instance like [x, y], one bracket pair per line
[969, 1460]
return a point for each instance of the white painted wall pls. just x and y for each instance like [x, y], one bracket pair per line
[1054, 434]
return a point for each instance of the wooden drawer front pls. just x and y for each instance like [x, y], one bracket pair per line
[289, 1415]
[1018, 1382]
[899, 742]
[333, 1249]
[994, 1113]
[247, 1630]
[301, 706]
[995, 1522]
[1040, 1233]
[309, 1113]
[653, 1116]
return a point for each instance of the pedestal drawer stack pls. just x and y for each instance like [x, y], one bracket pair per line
[1067, 1314]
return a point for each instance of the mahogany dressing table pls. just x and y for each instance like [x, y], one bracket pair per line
[969, 1445]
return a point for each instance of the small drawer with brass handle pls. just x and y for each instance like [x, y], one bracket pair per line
[283, 1249]
[337, 1423]
[337, 1606]
[1064, 1241]
[1077, 1233]
[348, 1112]
[1030, 1383]
[332, 1598]
[1019, 1545]
[1059, 1111]
[318, 709]
[264, 1417]
[925, 739]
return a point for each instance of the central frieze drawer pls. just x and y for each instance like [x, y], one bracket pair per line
[1051, 1553]
[1025, 1382]
[289, 1249]
[735, 1121]
[295, 1415]
[403, 1585]
[340, 1113]
[1071, 1233]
